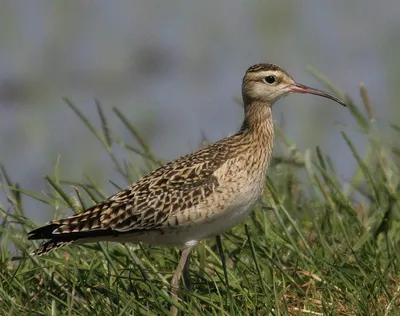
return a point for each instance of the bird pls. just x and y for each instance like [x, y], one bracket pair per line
[199, 195]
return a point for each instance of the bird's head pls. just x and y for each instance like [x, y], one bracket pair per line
[266, 83]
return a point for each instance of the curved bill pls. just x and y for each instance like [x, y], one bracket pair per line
[299, 88]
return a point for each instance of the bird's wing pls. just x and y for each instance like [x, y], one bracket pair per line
[148, 203]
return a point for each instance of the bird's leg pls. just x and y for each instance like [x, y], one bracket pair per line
[177, 276]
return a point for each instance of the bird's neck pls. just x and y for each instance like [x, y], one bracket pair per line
[258, 123]
[256, 138]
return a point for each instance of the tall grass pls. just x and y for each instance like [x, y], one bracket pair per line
[313, 246]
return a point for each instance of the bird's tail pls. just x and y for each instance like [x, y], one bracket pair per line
[55, 242]
[93, 224]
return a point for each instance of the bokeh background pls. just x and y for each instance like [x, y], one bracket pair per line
[174, 68]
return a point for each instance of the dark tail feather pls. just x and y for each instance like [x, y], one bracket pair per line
[44, 232]
[58, 240]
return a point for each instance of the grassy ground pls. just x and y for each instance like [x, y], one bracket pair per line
[312, 247]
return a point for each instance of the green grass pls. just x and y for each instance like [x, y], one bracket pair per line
[313, 246]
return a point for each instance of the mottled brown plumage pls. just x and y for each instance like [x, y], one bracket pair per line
[164, 198]
[196, 196]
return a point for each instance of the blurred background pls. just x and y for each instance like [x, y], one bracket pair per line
[174, 68]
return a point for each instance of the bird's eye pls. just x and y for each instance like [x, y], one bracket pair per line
[270, 79]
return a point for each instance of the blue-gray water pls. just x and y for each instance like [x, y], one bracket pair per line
[174, 67]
